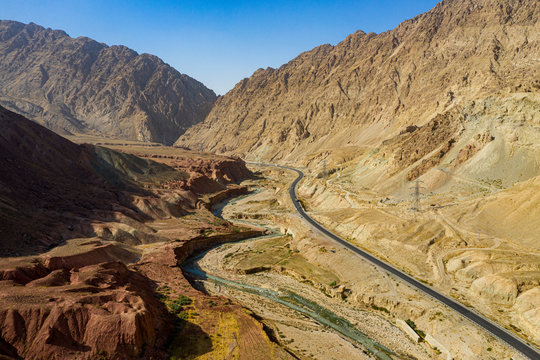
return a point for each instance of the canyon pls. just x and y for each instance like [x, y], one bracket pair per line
[150, 221]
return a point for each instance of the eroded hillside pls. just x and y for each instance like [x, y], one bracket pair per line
[90, 243]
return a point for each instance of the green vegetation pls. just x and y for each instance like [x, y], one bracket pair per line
[426, 282]
[416, 330]
[437, 315]
[163, 292]
[496, 183]
[380, 308]
[207, 232]
[177, 305]
[102, 355]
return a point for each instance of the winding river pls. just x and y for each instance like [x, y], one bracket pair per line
[286, 298]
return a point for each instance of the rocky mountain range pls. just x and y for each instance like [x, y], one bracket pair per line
[419, 145]
[83, 86]
[372, 87]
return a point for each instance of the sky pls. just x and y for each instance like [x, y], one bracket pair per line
[216, 42]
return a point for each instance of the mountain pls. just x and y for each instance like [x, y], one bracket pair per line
[52, 189]
[83, 86]
[372, 87]
[90, 237]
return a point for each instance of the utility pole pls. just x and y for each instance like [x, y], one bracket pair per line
[416, 195]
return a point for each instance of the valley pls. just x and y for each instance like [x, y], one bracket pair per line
[106, 283]
[308, 264]
[374, 198]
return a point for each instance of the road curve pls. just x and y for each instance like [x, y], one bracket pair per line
[496, 330]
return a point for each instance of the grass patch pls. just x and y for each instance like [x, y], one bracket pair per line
[380, 308]
[416, 330]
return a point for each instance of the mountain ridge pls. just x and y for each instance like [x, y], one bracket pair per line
[369, 87]
[79, 85]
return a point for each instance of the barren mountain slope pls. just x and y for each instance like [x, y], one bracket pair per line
[80, 85]
[52, 189]
[371, 86]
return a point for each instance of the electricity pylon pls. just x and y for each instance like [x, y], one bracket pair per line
[417, 195]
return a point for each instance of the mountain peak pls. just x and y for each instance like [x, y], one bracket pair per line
[370, 86]
[83, 86]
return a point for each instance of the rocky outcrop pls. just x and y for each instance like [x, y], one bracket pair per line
[414, 144]
[370, 87]
[83, 86]
[469, 150]
[208, 175]
[93, 307]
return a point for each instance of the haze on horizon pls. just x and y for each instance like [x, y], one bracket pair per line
[218, 43]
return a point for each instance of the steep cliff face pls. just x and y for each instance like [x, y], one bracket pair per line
[370, 87]
[81, 86]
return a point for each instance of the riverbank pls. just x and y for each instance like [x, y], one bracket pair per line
[300, 300]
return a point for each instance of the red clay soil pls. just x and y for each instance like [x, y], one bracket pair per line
[90, 306]
[94, 297]
[55, 308]
[208, 175]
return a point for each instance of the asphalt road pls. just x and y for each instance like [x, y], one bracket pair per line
[496, 330]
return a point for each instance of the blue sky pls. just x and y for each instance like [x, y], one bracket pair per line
[216, 42]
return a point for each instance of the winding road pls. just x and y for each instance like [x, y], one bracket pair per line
[496, 330]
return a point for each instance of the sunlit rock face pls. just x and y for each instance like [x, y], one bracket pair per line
[83, 86]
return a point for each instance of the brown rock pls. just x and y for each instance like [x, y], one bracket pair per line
[82, 86]
[100, 310]
[370, 87]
